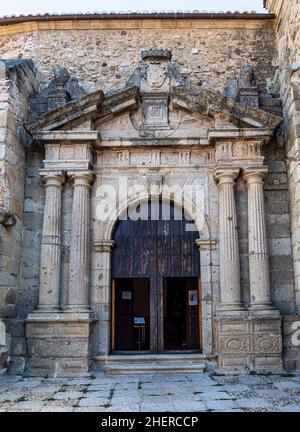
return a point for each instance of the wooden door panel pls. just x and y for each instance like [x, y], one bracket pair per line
[123, 315]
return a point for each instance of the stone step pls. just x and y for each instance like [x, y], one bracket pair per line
[154, 367]
[150, 358]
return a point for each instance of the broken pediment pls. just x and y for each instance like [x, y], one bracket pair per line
[158, 103]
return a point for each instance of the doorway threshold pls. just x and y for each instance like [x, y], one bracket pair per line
[154, 363]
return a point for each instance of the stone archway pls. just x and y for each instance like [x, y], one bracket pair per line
[102, 258]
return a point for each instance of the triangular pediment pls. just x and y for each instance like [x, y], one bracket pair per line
[210, 104]
[97, 108]
[157, 103]
[89, 109]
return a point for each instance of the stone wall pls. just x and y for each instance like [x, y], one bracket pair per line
[287, 85]
[16, 84]
[104, 54]
[277, 202]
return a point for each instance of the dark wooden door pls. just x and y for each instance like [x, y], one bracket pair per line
[123, 314]
[155, 249]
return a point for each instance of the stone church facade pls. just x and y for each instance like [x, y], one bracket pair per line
[100, 117]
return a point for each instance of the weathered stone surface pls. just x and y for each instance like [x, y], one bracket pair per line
[158, 120]
[287, 84]
[251, 343]
[155, 393]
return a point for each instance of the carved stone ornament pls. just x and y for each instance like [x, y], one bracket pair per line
[235, 344]
[156, 74]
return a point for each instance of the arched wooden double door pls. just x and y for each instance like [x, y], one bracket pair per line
[156, 300]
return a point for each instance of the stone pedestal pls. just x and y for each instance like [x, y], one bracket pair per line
[251, 343]
[58, 344]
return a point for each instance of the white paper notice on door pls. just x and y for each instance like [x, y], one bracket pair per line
[126, 295]
[193, 297]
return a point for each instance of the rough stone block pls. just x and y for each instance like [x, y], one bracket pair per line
[18, 347]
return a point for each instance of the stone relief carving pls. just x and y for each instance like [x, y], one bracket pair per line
[224, 150]
[210, 156]
[155, 158]
[247, 344]
[246, 78]
[254, 149]
[62, 88]
[267, 344]
[239, 344]
[67, 152]
[184, 158]
[125, 158]
[239, 150]
[156, 74]
[244, 89]
[52, 152]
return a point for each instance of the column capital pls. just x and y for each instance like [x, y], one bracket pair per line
[226, 175]
[255, 174]
[81, 177]
[52, 178]
[206, 244]
[103, 245]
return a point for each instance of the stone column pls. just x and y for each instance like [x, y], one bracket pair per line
[229, 246]
[50, 263]
[206, 263]
[101, 282]
[78, 287]
[260, 296]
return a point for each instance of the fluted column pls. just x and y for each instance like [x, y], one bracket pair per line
[229, 247]
[102, 294]
[50, 263]
[78, 287]
[260, 297]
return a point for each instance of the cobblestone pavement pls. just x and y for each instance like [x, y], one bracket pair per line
[167, 392]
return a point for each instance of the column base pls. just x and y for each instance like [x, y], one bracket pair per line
[58, 344]
[230, 309]
[263, 310]
[48, 309]
[77, 309]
